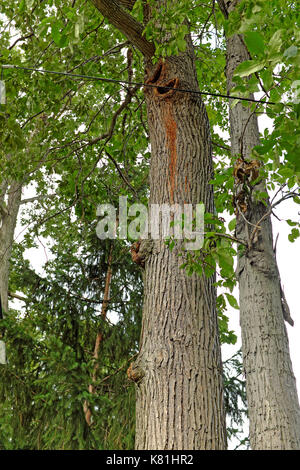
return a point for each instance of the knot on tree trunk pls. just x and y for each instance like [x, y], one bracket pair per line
[140, 250]
[135, 254]
[135, 373]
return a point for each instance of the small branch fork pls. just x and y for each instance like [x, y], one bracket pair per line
[285, 197]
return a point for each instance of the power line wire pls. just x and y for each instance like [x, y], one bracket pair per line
[141, 84]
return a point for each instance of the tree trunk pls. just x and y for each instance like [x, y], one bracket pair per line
[8, 218]
[274, 413]
[178, 371]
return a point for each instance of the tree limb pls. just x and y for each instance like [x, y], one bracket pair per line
[223, 8]
[230, 237]
[3, 209]
[126, 24]
[121, 173]
[20, 39]
[127, 4]
[16, 296]
[41, 197]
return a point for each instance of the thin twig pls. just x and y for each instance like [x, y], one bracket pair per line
[121, 173]
[229, 237]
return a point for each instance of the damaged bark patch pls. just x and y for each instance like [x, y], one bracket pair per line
[245, 172]
[156, 74]
[141, 250]
[160, 77]
[135, 373]
[136, 255]
[164, 91]
[171, 135]
[166, 96]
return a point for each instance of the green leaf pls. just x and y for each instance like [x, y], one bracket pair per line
[22, 6]
[255, 42]
[64, 40]
[291, 51]
[291, 223]
[267, 78]
[181, 43]
[225, 261]
[232, 224]
[295, 233]
[275, 42]
[275, 97]
[55, 33]
[234, 102]
[248, 67]
[232, 301]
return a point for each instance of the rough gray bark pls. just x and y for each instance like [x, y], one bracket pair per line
[178, 372]
[8, 219]
[179, 390]
[274, 412]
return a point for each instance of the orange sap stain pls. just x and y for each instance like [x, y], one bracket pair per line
[171, 135]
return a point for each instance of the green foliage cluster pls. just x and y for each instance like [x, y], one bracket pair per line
[235, 400]
[50, 344]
